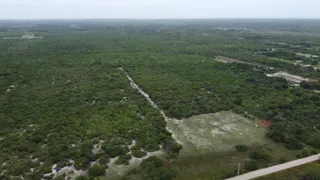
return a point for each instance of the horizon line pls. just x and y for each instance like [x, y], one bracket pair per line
[204, 18]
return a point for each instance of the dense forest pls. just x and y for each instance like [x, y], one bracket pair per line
[63, 96]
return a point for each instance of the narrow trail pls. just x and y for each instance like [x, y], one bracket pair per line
[153, 104]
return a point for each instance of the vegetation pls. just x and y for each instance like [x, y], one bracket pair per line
[123, 159]
[306, 153]
[153, 169]
[310, 85]
[242, 148]
[304, 172]
[137, 152]
[97, 170]
[62, 95]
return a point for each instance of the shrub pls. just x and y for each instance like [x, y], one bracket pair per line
[162, 174]
[230, 173]
[97, 170]
[37, 174]
[47, 169]
[304, 153]
[151, 163]
[241, 148]
[313, 151]
[104, 159]
[154, 170]
[124, 159]
[292, 143]
[138, 153]
[251, 165]
[282, 160]
[81, 163]
[172, 147]
[115, 150]
[260, 155]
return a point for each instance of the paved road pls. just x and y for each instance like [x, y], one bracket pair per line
[277, 168]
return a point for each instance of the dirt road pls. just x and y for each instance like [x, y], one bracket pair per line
[277, 168]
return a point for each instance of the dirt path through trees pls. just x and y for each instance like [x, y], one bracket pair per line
[153, 104]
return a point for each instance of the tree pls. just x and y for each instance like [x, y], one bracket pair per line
[293, 143]
[238, 101]
[154, 170]
[162, 174]
[97, 170]
[151, 163]
[82, 163]
[123, 159]
[306, 85]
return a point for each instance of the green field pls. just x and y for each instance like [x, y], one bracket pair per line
[306, 171]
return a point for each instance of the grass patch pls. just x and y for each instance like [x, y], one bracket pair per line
[295, 173]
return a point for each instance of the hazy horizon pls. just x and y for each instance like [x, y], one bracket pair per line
[159, 9]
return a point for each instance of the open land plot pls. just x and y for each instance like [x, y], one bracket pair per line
[290, 77]
[307, 55]
[216, 132]
[209, 140]
[232, 60]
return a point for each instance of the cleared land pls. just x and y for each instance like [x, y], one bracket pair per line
[208, 144]
[307, 55]
[215, 132]
[290, 77]
[225, 59]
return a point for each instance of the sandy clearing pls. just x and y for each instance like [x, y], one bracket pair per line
[215, 132]
[97, 147]
[290, 77]
[69, 171]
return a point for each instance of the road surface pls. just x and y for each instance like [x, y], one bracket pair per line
[276, 168]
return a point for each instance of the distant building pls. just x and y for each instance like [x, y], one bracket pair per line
[27, 36]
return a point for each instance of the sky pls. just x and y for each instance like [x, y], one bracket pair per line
[157, 9]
